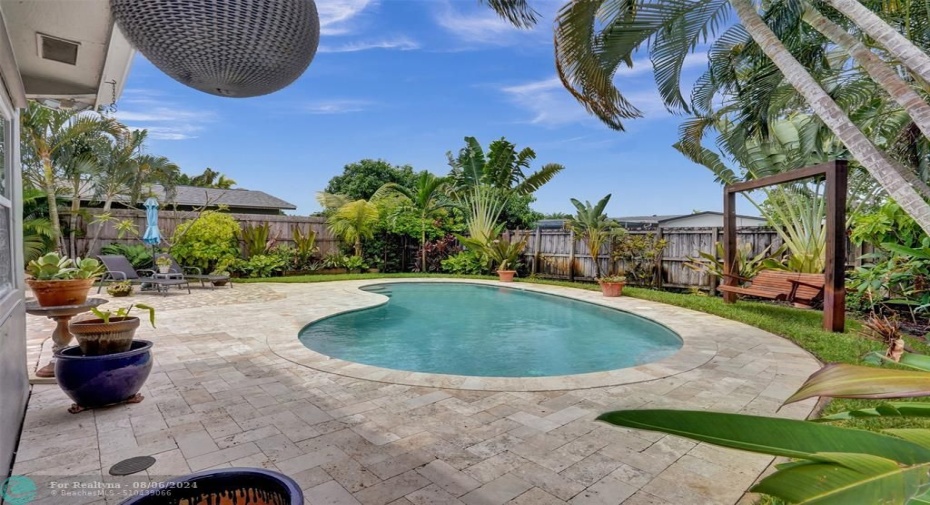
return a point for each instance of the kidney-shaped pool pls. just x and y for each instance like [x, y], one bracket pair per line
[487, 331]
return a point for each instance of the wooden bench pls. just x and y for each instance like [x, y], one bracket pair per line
[793, 287]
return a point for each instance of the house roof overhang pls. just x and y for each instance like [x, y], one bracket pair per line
[100, 65]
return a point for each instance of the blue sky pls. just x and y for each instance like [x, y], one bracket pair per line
[406, 81]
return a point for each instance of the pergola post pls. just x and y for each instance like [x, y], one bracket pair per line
[729, 244]
[834, 294]
[835, 172]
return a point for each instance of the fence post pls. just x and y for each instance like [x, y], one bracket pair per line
[657, 281]
[713, 248]
[571, 256]
[536, 247]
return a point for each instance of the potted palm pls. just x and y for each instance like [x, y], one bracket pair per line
[58, 280]
[505, 254]
[612, 285]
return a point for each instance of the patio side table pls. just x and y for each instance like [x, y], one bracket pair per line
[61, 335]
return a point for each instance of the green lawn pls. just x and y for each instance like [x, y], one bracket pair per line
[802, 327]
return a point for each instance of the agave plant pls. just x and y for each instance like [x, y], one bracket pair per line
[831, 464]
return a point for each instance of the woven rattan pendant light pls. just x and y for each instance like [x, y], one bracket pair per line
[236, 48]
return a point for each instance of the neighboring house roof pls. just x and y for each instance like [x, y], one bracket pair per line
[198, 197]
[671, 217]
[248, 198]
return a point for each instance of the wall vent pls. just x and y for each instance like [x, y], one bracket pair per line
[60, 50]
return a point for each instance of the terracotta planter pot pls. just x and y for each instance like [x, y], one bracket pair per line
[506, 275]
[612, 289]
[97, 338]
[60, 292]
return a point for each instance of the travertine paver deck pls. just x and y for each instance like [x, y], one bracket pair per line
[220, 396]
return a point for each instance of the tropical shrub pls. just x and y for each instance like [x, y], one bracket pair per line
[468, 262]
[256, 239]
[355, 264]
[259, 265]
[205, 241]
[304, 245]
[436, 252]
[334, 260]
[139, 255]
[639, 254]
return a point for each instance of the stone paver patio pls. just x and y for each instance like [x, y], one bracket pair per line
[229, 388]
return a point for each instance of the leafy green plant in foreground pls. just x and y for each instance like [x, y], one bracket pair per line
[832, 464]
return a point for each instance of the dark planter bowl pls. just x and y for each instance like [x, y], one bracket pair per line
[233, 486]
[96, 381]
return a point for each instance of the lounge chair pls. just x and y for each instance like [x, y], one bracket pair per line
[120, 269]
[194, 273]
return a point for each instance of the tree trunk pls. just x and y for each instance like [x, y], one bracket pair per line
[423, 245]
[880, 72]
[891, 175]
[358, 246]
[52, 194]
[73, 218]
[896, 44]
[106, 208]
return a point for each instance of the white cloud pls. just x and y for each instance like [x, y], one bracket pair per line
[337, 106]
[399, 43]
[549, 104]
[142, 109]
[336, 16]
[481, 25]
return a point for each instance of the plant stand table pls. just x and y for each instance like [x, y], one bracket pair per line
[62, 315]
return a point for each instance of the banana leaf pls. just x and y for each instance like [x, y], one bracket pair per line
[767, 435]
[851, 381]
[890, 409]
[841, 479]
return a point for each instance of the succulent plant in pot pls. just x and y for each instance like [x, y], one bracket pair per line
[120, 288]
[163, 263]
[58, 280]
[111, 331]
[612, 285]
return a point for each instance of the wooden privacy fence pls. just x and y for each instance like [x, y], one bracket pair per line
[560, 254]
[281, 227]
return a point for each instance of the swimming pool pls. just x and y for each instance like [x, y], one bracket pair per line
[486, 331]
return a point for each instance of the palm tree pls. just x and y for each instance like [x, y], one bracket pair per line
[353, 222]
[426, 198]
[37, 229]
[587, 58]
[591, 223]
[45, 134]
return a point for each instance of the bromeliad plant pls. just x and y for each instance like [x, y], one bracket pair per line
[831, 464]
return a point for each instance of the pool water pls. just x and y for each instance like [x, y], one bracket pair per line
[486, 331]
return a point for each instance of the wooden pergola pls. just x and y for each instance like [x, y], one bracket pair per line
[835, 173]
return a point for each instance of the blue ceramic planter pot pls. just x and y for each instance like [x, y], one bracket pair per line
[96, 381]
[232, 486]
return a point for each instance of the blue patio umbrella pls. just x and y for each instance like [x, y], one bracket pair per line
[151, 236]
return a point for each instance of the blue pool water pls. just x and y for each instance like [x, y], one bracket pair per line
[467, 329]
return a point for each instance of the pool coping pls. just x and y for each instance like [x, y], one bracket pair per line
[697, 347]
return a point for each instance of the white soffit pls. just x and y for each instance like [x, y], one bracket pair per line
[103, 54]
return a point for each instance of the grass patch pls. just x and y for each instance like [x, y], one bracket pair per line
[803, 327]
